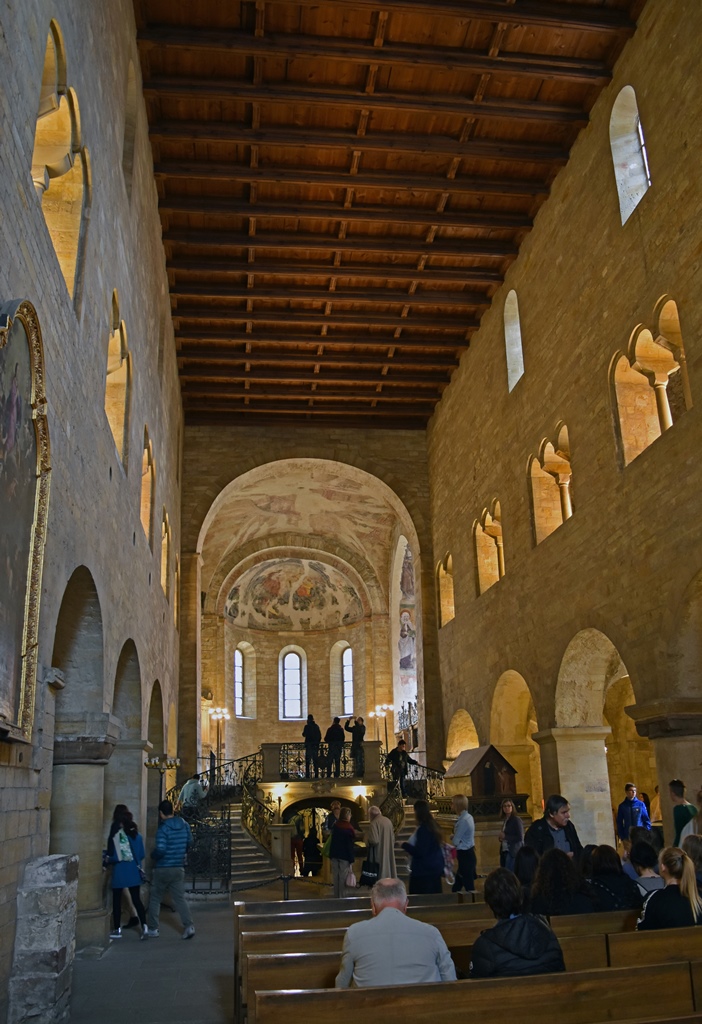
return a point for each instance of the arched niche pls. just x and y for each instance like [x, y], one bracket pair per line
[462, 734]
[78, 648]
[630, 757]
[512, 725]
[157, 739]
[124, 772]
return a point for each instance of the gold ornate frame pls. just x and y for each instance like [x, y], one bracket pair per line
[20, 730]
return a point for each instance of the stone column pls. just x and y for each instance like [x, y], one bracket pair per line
[82, 748]
[372, 773]
[280, 847]
[45, 941]
[574, 764]
[674, 727]
[190, 686]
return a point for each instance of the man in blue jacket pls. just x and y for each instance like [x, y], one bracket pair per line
[631, 813]
[173, 840]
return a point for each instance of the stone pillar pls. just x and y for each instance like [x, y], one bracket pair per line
[280, 847]
[189, 687]
[574, 764]
[372, 773]
[674, 727]
[40, 985]
[271, 762]
[82, 748]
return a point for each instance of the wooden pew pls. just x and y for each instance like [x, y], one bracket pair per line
[581, 997]
[336, 914]
[657, 947]
[319, 970]
[362, 900]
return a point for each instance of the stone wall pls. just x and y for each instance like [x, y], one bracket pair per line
[94, 510]
[627, 561]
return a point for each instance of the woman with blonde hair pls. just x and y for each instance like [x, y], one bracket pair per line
[679, 904]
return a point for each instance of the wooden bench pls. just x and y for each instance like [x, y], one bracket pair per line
[335, 914]
[581, 997]
[668, 945]
[277, 907]
[319, 970]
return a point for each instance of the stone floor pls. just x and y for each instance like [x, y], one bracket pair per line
[166, 980]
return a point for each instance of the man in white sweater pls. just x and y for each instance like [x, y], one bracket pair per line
[391, 948]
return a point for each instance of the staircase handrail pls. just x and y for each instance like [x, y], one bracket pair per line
[224, 781]
[393, 808]
[256, 817]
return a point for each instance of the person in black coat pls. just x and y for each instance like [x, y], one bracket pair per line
[312, 736]
[608, 887]
[558, 888]
[334, 736]
[519, 943]
[358, 731]
[555, 829]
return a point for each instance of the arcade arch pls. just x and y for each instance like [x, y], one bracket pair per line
[512, 725]
[462, 734]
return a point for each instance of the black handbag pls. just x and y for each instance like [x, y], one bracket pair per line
[370, 871]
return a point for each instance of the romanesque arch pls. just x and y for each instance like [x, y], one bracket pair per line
[512, 725]
[462, 734]
[124, 772]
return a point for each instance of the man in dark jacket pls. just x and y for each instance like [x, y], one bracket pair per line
[555, 829]
[312, 736]
[358, 731]
[173, 839]
[519, 944]
[398, 761]
[334, 736]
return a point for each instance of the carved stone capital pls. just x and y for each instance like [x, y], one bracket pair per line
[665, 719]
[87, 739]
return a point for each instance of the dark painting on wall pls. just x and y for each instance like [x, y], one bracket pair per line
[22, 492]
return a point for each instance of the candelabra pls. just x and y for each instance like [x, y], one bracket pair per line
[381, 711]
[162, 764]
[218, 715]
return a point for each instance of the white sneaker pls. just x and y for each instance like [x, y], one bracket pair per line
[152, 933]
[144, 933]
[189, 932]
[116, 933]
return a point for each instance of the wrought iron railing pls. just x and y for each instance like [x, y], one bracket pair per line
[407, 717]
[222, 783]
[392, 807]
[255, 816]
[208, 864]
[294, 765]
[421, 783]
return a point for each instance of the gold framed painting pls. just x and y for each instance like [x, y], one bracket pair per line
[24, 504]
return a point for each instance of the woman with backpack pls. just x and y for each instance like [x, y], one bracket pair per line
[125, 852]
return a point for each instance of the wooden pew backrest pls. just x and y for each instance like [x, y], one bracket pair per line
[655, 947]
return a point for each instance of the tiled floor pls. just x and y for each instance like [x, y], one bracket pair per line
[167, 980]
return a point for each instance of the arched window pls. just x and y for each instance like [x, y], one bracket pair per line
[148, 486]
[489, 552]
[513, 341]
[292, 683]
[550, 477]
[444, 580]
[238, 683]
[130, 121]
[60, 165]
[347, 680]
[651, 386]
[118, 383]
[626, 140]
[165, 553]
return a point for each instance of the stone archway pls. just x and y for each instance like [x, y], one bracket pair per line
[155, 780]
[124, 772]
[84, 739]
[512, 725]
[462, 734]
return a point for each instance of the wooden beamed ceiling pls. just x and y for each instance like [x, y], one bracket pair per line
[343, 186]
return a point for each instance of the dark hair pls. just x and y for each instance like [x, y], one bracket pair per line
[555, 877]
[119, 810]
[129, 825]
[424, 817]
[586, 866]
[677, 786]
[605, 861]
[629, 785]
[336, 721]
[166, 808]
[692, 846]
[643, 835]
[310, 718]
[503, 893]
[554, 804]
[525, 864]
[401, 743]
[642, 855]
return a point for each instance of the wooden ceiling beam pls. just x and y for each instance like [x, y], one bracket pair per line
[431, 145]
[286, 93]
[426, 379]
[329, 341]
[311, 176]
[203, 417]
[292, 391]
[465, 248]
[368, 271]
[328, 360]
[575, 17]
[201, 42]
[325, 408]
[319, 317]
[217, 206]
[376, 297]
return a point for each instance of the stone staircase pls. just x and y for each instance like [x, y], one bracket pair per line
[251, 865]
[406, 829]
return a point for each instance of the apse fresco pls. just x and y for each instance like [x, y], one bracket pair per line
[293, 593]
[18, 483]
[407, 643]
